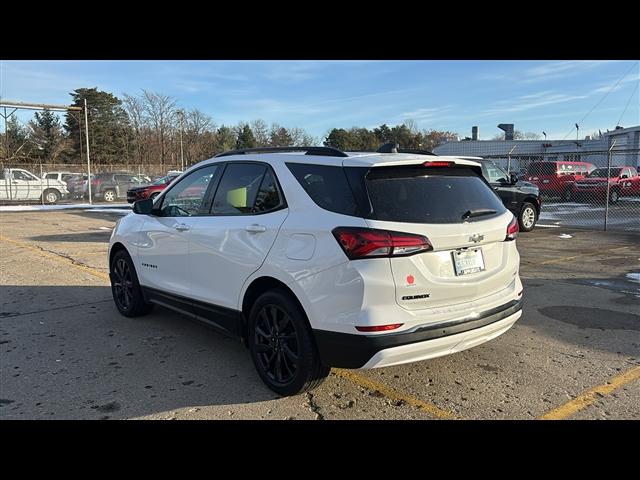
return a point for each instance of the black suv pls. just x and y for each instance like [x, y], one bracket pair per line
[111, 186]
[522, 198]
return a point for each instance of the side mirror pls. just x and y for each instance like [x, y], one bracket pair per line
[513, 176]
[143, 207]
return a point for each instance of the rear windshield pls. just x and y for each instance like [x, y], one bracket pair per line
[419, 195]
[542, 168]
[398, 194]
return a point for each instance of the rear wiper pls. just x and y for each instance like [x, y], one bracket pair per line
[478, 212]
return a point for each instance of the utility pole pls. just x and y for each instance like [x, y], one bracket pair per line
[577, 130]
[86, 134]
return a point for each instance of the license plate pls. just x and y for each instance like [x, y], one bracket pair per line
[468, 261]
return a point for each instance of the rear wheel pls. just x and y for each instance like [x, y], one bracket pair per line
[567, 195]
[51, 196]
[125, 287]
[528, 217]
[109, 195]
[282, 346]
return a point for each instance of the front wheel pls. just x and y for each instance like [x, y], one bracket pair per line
[125, 287]
[567, 195]
[614, 196]
[282, 346]
[528, 217]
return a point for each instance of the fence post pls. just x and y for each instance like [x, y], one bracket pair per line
[86, 134]
[606, 205]
[509, 159]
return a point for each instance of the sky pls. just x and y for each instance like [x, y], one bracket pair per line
[536, 96]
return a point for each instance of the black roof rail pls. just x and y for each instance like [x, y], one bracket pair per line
[322, 151]
[392, 147]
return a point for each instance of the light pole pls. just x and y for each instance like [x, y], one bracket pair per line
[86, 134]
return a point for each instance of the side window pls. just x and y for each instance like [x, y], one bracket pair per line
[633, 171]
[186, 198]
[123, 178]
[495, 173]
[51, 176]
[19, 175]
[268, 197]
[238, 189]
[327, 186]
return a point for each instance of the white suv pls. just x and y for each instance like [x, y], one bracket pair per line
[317, 258]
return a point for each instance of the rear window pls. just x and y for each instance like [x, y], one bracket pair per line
[419, 195]
[542, 168]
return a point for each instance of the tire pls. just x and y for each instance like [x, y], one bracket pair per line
[567, 195]
[51, 196]
[109, 195]
[125, 287]
[528, 217]
[614, 196]
[282, 346]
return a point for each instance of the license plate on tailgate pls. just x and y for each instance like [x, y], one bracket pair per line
[468, 261]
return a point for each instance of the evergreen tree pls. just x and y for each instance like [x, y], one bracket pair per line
[46, 135]
[246, 138]
[109, 132]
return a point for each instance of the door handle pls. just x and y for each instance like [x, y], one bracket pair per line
[181, 227]
[255, 228]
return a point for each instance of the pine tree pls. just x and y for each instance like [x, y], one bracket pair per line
[246, 138]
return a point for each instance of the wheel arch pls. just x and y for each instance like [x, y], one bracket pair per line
[256, 288]
[533, 201]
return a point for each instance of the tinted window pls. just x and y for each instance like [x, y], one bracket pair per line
[238, 189]
[123, 178]
[186, 198]
[327, 186]
[408, 194]
[542, 168]
[18, 175]
[493, 173]
[268, 197]
[51, 176]
[602, 172]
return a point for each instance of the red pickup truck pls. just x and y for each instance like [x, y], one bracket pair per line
[622, 181]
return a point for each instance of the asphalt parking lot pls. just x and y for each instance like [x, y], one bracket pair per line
[66, 353]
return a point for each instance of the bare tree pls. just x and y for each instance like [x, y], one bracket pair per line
[261, 132]
[160, 110]
[134, 106]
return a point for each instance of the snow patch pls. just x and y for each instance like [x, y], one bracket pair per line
[565, 235]
[117, 211]
[634, 277]
[547, 226]
[34, 208]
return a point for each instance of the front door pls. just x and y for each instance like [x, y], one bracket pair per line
[164, 245]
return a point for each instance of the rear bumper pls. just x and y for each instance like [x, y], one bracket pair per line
[346, 350]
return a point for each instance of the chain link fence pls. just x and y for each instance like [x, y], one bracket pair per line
[583, 189]
[65, 183]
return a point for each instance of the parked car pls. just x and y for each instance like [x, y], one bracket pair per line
[322, 258]
[112, 186]
[557, 177]
[622, 181]
[150, 191]
[17, 184]
[61, 176]
[77, 185]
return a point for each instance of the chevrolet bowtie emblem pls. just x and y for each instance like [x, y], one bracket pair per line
[475, 238]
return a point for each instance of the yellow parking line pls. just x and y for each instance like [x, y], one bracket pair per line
[585, 399]
[42, 253]
[394, 394]
[563, 259]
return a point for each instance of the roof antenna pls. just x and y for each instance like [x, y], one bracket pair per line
[389, 147]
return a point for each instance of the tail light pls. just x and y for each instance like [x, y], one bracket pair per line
[512, 229]
[95, 182]
[379, 328]
[372, 243]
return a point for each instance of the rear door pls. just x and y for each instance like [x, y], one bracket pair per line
[434, 203]
[226, 247]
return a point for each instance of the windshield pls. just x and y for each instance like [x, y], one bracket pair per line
[602, 172]
[164, 180]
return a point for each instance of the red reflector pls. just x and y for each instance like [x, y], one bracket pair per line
[512, 229]
[379, 328]
[438, 164]
[358, 242]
